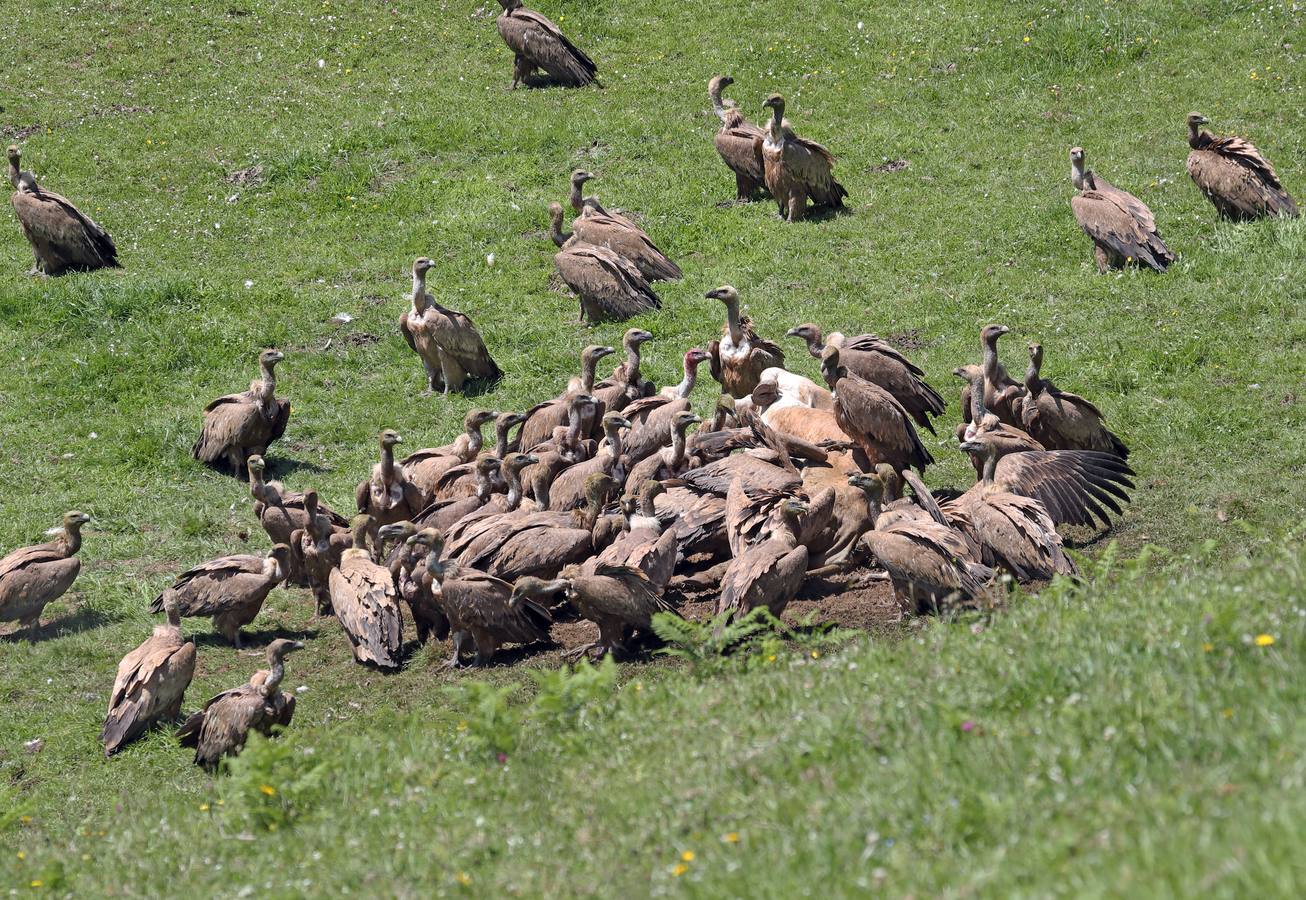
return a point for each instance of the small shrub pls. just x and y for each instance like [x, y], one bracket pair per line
[271, 783]
[490, 725]
[569, 697]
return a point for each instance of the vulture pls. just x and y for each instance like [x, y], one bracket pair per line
[618, 598]
[627, 383]
[231, 589]
[741, 356]
[579, 202]
[568, 489]
[442, 514]
[653, 417]
[150, 683]
[239, 426]
[63, 239]
[1120, 225]
[797, 169]
[537, 43]
[610, 287]
[1011, 438]
[542, 418]
[500, 512]
[30, 577]
[1002, 393]
[1013, 532]
[1074, 486]
[365, 600]
[1060, 420]
[388, 496]
[874, 360]
[320, 545]
[461, 480]
[426, 467]
[619, 235]
[223, 725]
[1234, 176]
[876, 422]
[645, 543]
[485, 609]
[421, 593]
[667, 462]
[739, 142]
[447, 341]
[928, 562]
[769, 572]
[282, 513]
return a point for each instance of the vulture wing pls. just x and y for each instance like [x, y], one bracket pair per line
[1114, 228]
[538, 40]
[457, 336]
[1074, 485]
[610, 286]
[65, 238]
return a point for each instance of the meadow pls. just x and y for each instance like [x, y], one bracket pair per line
[265, 167]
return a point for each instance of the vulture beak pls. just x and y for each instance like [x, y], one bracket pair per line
[713, 294]
[297, 645]
[972, 446]
[1003, 329]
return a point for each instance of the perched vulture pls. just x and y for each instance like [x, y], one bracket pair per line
[579, 202]
[1010, 438]
[422, 594]
[619, 235]
[485, 609]
[1060, 420]
[447, 341]
[610, 287]
[1234, 176]
[388, 496]
[365, 601]
[667, 462]
[874, 360]
[568, 490]
[282, 513]
[797, 169]
[647, 543]
[537, 43]
[542, 418]
[873, 418]
[223, 725]
[738, 141]
[150, 683]
[627, 382]
[231, 589]
[770, 572]
[741, 356]
[63, 239]
[1002, 393]
[616, 597]
[239, 426]
[426, 467]
[30, 577]
[1121, 226]
[320, 546]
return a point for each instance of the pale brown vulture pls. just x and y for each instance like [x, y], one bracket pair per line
[223, 725]
[63, 238]
[239, 426]
[1002, 393]
[366, 602]
[230, 589]
[450, 347]
[738, 141]
[797, 169]
[150, 683]
[741, 356]
[282, 513]
[1073, 485]
[872, 418]
[652, 417]
[610, 287]
[30, 577]
[769, 572]
[619, 235]
[1121, 226]
[320, 545]
[1234, 176]
[1060, 420]
[388, 496]
[537, 43]
[426, 467]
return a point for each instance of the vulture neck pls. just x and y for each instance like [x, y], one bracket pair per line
[1077, 174]
[990, 466]
[613, 434]
[648, 506]
[421, 300]
[71, 539]
[483, 487]
[15, 176]
[718, 105]
[387, 464]
[501, 430]
[267, 388]
[718, 418]
[540, 485]
[174, 619]
[815, 346]
[560, 237]
[273, 681]
[1197, 139]
[588, 365]
[475, 441]
[272, 568]
[576, 199]
[873, 507]
[790, 530]
[992, 368]
[732, 322]
[977, 408]
[678, 444]
[686, 386]
[512, 475]
[588, 516]
[632, 363]
[775, 128]
[1033, 383]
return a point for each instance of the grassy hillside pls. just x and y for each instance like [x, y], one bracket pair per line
[264, 166]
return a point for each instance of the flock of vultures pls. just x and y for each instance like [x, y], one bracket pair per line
[613, 500]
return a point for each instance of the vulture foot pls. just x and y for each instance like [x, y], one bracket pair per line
[577, 652]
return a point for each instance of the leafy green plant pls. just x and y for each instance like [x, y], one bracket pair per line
[490, 724]
[569, 697]
[271, 783]
[705, 646]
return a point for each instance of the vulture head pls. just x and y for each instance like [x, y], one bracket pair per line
[776, 104]
[1077, 167]
[269, 358]
[256, 466]
[389, 439]
[280, 553]
[990, 333]
[476, 418]
[889, 478]
[650, 489]
[507, 420]
[422, 265]
[426, 539]
[515, 462]
[683, 420]
[792, 507]
[870, 484]
[1035, 353]
[73, 520]
[811, 334]
[636, 336]
[714, 88]
[592, 354]
[968, 373]
[510, 5]
[724, 409]
[975, 445]
[528, 587]
[614, 422]
[279, 649]
[580, 176]
[1194, 120]
[310, 502]
[694, 356]
[765, 394]
[726, 294]
[831, 371]
[1195, 123]
[396, 531]
[599, 487]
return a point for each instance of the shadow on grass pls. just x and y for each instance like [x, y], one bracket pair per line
[83, 620]
[255, 640]
[279, 467]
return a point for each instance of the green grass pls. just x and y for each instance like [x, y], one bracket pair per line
[1101, 762]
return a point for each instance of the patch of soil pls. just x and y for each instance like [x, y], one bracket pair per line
[907, 340]
[893, 165]
[250, 176]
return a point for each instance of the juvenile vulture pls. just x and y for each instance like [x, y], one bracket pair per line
[223, 725]
[460, 481]
[30, 577]
[1060, 420]
[499, 510]
[619, 235]
[150, 683]
[282, 513]
[741, 355]
[426, 467]
[618, 598]
[230, 589]
[795, 168]
[365, 601]
[769, 572]
[627, 382]
[609, 286]
[422, 594]
[542, 418]
[667, 462]
[239, 426]
[1009, 438]
[1121, 226]
[873, 418]
[442, 514]
[537, 43]
[738, 141]
[320, 545]
[1013, 532]
[652, 417]
[484, 609]
[63, 238]
[447, 341]
[874, 360]
[388, 496]
[1234, 176]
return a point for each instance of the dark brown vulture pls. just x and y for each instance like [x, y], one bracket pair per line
[150, 683]
[874, 420]
[484, 609]
[1234, 176]
[610, 287]
[770, 571]
[447, 341]
[797, 169]
[738, 141]
[30, 577]
[1120, 225]
[537, 43]
[1002, 393]
[239, 426]
[1060, 420]
[616, 597]
[223, 725]
[63, 238]
[230, 589]
[426, 467]
[740, 357]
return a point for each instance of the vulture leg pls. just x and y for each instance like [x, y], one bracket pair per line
[743, 188]
[486, 646]
[458, 638]
[1103, 262]
[578, 652]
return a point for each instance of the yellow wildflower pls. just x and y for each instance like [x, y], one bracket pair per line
[35, 882]
[679, 870]
[1265, 640]
[687, 856]
[816, 654]
[1228, 713]
[1026, 39]
[731, 837]
[1208, 647]
[204, 807]
[22, 855]
[268, 789]
[463, 878]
